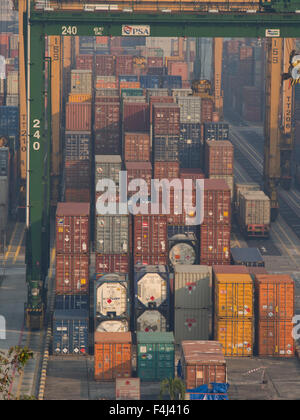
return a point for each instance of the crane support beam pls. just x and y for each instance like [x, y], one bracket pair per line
[218, 61]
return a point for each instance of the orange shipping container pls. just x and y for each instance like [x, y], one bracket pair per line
[235, 335]
[275, 296]
[113, 354]
[129, 85]
[178, 68]
[275, 338]
[80, 97]
[128, 389]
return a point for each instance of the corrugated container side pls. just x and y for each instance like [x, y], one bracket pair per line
[219, 157]
[72, 274]
[215, 244]
[275, 338]
[78, 117]
[137, 147]
[191, 324]
[112, 263]
[112, 234]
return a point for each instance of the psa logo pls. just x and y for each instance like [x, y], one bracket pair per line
[135, 30]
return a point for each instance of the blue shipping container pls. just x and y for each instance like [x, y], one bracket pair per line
[150, 81]
[9, 121]
[70, 332]
[171, 82]
[70, 302]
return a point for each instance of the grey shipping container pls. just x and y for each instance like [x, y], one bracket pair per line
[190, 109]
[4, 202]
[254, 208]
[4, 161]
[152, 321]
[81, 81]
[191, 324]
[77, 145]
[250, 257]
[112, 234]
[193, 286]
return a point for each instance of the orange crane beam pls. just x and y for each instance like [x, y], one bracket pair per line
[217, 66]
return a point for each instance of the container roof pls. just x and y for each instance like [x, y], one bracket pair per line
[73, 209]
[246, 255]
[154, 337]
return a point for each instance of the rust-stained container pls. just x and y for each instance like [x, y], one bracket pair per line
[138, 170]
[150, 234]
[112, 263]
[107, 115]
[235, 335]
[113, 355]
[217, 202]
[77, 195]
[257, 270]
[207, 106]
[215, 244]
[85, 62]
[158, 99]
[78, 117]
[219, 157]
[72, 274]
[136, 147]
[104, 65]
[229, 179]
[128, 389]
[166, 170]
[191, 173]
[233, 295]
[77, 174]
[166, 119]
[202, 363]
[136, 117]
[72, 228]
[275, 338]
[275, 296]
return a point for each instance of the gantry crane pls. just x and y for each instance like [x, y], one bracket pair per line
[278, 129]
[217, 83]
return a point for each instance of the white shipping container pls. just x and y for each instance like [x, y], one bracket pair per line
[12, 87]
[255, 208]
[192, 287]
[115, 325]
[4, 203]
[152, 288]
[181, 92]
[112, 297]
[12, 100]
[128, 389]
[81, 81]
[151, 321]
[190, 109]
[191, 324]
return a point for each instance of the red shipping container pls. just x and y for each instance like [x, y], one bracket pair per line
[161, 259]
[159, 99]
[112, 263]
[136, 147]
[78, 116]
[191, 173]
[150, 234]
[124, 65]
[72, 274]
[78, 195]
[178, 68]
[77, 174]
[107, 115]
[166, 119]
[155, 62]
[215, 244]
[136, 117]
[219, 157]
[14, 53]
[73, 228]
[166, 170]
[275, 338]
[85, 62]
[139, 170]
[217, 202]
[102, 40]
[104, 65]
[107, 99]
[206, 110]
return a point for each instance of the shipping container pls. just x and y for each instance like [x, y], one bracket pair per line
[4, 161]
[274, 296]
[190, 148]
[191, 173]
[166, 148]
[155, 62]
[158, 99]
[124, 64]
[85, 62]
[77, 195]
[80, 97]
[178, 68]
[153, 91]
[77, 174]
[105, 65]
[72, 228]
[78, 117]
[128, 389]
[190, 109]
[108, 166]
[107, 116]
[235, 335]
[70, 332]
[112, 234]
[111, 297]
[12, 83]
[240, 188]
[113, 355]
[166, 170]
[166, 119]
[152, 321]
[128, 92]
[138, 170]
[216, 131]
[4, 202]
[136, 147]
[146, 259]
[70, 302]
[152, 82]
[136, 117]
[215, 244]
[202, 363]
[275, 338]
[112, 263]
[112, 326]
[100, 93]
[219, 157]
[150, 234]
[191, 324]
[255, 213]
[155, 356]
[229, 179]
[250, 257]
[77, 145]
[183, 249]
[9, 121]
[181, 92]
[233, 295]
[193, 286]
[207, 106]
[72, 274]
[151, 287]
[171, 82]
[81, 81]
[217, 202]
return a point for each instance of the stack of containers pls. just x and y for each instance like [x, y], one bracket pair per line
[111, 303]
[12, 88]
[138, 170]
[190, 146]
[192, 302]
[71, 316]
[219, 158]
[233, 310]
[251, 110]
[4, 188]
[107, 125]
[274, 315]
[112, 232]
[152, 298]
[216, 227]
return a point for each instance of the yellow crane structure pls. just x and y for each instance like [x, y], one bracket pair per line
[278, 129]
[217, 84]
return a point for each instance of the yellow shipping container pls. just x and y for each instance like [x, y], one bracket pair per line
[233, 295]
[235, 335]
[80, 97]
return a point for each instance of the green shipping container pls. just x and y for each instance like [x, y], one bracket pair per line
[155, 356]
[132, 92]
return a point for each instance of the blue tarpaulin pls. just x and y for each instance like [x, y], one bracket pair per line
[215, 391]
